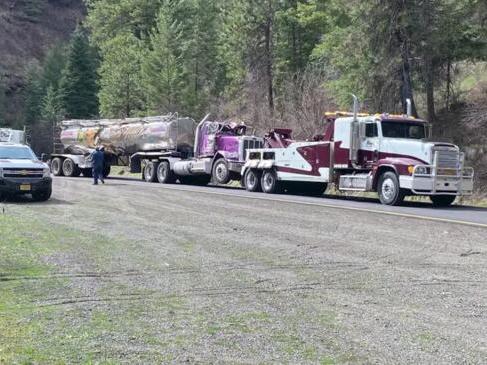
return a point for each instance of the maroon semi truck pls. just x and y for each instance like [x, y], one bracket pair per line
[383, 153]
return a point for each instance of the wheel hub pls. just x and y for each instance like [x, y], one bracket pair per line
[251, 180]
[388, 189]
[221, 172]
[268, 181]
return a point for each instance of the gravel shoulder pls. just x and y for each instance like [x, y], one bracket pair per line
[125, 274]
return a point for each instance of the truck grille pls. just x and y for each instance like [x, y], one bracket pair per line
[248, 143]
[448, 159]
[23, 173]
[252, 144]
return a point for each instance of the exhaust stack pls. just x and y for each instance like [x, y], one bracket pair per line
[409, 107]
[356, 106]
[197, 136]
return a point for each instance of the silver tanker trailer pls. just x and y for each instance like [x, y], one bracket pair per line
[75, 140]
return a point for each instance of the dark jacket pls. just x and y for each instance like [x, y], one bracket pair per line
[97, 159]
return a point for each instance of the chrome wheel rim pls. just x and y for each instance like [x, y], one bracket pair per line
[268, 181]
[68, 168]
[148, 172]
[162, 172]
[251, 179]
[221, 172]
[388, 189]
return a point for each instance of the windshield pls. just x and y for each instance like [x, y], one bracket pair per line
[393, 129]
[16, 153]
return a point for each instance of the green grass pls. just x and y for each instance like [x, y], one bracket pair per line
[32, 329]
[119, 320]
[122, 171]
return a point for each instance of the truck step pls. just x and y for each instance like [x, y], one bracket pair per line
[357, 182]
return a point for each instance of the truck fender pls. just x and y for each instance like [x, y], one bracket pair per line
[379, 170]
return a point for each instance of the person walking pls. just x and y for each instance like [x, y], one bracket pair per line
[97, 160]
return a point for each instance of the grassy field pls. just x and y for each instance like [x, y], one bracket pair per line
[33, 328]
[52, 312]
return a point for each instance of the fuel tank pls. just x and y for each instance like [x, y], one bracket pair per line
[128, 136]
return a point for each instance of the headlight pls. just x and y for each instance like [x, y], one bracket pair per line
[421, 170]
[46, 172]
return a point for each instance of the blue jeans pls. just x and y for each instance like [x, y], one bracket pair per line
[97, 174]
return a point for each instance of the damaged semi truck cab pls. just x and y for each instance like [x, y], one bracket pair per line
[392, 155]
[219, 153]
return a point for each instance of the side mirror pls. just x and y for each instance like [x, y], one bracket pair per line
[44, 157]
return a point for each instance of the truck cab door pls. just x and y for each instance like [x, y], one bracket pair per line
[370, 144]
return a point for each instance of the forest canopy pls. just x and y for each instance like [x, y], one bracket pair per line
[267, 62]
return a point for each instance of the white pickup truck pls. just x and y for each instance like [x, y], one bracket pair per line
[21, 172]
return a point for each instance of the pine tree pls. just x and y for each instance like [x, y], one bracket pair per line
[79, 80]
[51, 108]
[122, 92]
[33, 94]
[161, 68]
[52, 67]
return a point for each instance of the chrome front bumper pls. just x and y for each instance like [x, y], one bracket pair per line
[439, 181]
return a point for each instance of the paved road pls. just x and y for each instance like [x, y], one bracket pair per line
[173, 274]
[454, 214]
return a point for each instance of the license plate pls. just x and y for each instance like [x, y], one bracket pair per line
[25, 187]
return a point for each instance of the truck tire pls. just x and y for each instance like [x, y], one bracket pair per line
[57, 166]
[221, 172]
[70, 169]
[389, 190]
[164, 173]
[252, 180]
[150, 172]
[42, 195]
[269, 182]
[442, 200]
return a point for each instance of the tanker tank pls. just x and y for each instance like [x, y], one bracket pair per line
[128, 136]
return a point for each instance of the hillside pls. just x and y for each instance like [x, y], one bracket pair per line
[28, 28]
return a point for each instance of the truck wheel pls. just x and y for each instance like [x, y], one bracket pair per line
[389, 190]
[42, 196]
[164, 173]
[221, 173]
[252, 180]
[442, 200]
[269, 182]
[106, 171]
[70, 169]
[150, 172]
[57, 166]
